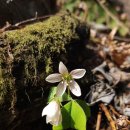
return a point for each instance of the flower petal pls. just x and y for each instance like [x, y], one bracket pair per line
[74, 88]
[49, 120]
[53, 78]
[78, 73]
[53, 113]
[62, 68]
[58, 118]
[45, 111]
[48, 109]
[61, 88]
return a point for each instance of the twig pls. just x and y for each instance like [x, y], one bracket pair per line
[112, 123]
[128, 121]
[116, 113]
[103, 34]
[99, 120]
[28, 21]
[8, 25]
[122, 39]
[22, 23]
[111, 15]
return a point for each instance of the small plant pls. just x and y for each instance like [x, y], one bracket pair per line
[74, 113]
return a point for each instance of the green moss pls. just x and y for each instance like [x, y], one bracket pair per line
[51, 35]
[34, 47]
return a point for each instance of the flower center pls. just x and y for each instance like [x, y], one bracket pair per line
[67, 77]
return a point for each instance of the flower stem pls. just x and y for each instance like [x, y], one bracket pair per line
[68, 92]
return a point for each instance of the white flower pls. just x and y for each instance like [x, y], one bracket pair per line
[53, 113]
[66, 79]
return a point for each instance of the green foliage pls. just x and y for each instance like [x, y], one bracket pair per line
[64, 97]
[100, 15]
[33, 48]
[85, 107]
[70, 4]
[74, 116]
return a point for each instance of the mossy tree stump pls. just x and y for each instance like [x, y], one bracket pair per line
[28, 55]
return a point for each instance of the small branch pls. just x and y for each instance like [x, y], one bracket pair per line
[28, 21]
[99, 120]
[112, 123]
[128, 121]
[111, 15]
[8, 26]
[114, 111]
[102, 34]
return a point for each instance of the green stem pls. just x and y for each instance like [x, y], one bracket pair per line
[68, 92]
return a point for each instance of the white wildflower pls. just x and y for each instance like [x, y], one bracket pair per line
[66, 79]
[53, 113]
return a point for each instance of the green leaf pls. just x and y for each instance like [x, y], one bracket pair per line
[123, 31]
[70, 5]
[85, 107]
[112, 23]
[73, 117]
[52, 93]
[64, 97]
